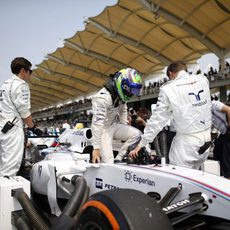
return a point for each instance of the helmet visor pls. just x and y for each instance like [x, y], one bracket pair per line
[135, 91]
[133, 88]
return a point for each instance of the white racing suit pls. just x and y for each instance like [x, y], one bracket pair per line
[14, 102]
[187, 99]
[110, 123]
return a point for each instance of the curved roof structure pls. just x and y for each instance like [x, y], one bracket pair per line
[143, 34]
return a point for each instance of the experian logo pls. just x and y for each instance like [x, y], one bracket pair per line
[131, 177]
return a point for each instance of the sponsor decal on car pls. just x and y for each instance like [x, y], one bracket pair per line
[176, 205]
[78, 133]
[101, 185]
[134, 178]
[39, 170]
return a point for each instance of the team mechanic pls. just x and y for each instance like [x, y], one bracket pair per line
[14, 109]
[221, 122]
[187, 99]
[110, 115]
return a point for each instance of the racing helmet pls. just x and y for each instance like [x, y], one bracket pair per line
[128, 82]
[79, 126]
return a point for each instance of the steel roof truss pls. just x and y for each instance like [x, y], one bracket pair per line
[91, 53]
[184, 25]
[62, 83]
[214, 27]
[44, 97]
[81, 68]
[62, 75]
[46, 93]
[52, 89]
[134, 43]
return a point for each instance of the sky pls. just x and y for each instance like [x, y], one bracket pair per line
[35, 28]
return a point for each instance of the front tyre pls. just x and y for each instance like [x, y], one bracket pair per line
[124, 209]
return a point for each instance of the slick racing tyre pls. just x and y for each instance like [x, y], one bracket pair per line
[122, 209]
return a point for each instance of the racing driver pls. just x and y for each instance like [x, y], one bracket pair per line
[110, 115]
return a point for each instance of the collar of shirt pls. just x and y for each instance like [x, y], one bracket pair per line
[182, 74]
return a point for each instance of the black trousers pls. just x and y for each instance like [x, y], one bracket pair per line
[221, 153]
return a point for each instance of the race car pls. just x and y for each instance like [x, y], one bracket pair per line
[69, 192]
[182, 193]
[38, 143]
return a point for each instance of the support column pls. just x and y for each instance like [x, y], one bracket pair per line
[222, 65]
[223, 94]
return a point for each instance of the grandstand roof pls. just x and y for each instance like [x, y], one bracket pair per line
[143, 34]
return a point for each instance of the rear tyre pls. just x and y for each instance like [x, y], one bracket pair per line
[122, 209]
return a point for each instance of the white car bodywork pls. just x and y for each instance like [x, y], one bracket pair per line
[146, 178]
[52, 177]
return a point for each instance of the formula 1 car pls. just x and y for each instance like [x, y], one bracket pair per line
[35, 144]
[69, 192]
[200, 198]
